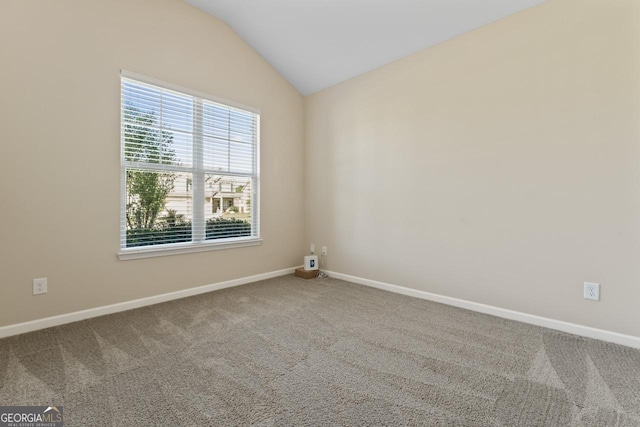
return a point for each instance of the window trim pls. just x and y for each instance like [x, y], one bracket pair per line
[150, 251]
[185, 248]
[176, 88]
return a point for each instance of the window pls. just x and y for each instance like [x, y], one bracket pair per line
[182, 153]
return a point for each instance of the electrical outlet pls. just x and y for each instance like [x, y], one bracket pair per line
[312, 248]
[40, 286]
[592, 291]
[324, 251]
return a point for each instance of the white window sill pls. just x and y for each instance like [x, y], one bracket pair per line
[184, 248]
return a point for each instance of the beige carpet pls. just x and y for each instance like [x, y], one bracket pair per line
[288, 351]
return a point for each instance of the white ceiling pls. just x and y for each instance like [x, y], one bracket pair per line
[315, 44]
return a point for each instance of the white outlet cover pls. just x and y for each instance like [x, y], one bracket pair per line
[592, 291]
[324, 250]
[40, 286]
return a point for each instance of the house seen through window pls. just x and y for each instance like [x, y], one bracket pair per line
[189, 168]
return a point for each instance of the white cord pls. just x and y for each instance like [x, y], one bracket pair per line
[322, 274]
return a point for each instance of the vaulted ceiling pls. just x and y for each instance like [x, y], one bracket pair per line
[315, 44]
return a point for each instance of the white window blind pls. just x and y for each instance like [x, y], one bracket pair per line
[189, 168]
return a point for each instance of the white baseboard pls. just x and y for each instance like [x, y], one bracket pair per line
[47, 322]
[572, 328]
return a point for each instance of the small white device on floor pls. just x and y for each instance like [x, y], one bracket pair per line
[311, 262]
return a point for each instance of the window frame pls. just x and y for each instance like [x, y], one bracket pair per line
[127, 253]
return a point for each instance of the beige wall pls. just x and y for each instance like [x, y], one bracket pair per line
[501, 167]
[59, 103]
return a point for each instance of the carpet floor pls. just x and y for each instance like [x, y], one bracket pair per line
[288, 351]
